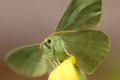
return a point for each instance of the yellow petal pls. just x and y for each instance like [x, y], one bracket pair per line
[65, 71]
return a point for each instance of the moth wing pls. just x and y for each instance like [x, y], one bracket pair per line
[89, 47]
[27, 60]
[80, 14]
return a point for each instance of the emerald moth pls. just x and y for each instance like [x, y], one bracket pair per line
[76, 34]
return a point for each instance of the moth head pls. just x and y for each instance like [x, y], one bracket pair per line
[47, 42]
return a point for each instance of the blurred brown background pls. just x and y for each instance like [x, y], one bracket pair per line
[25, 22]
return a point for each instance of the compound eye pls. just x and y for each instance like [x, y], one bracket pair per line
[49, 41]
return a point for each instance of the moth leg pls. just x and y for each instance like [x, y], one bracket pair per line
[55, 63]
[67, 52]
[51, 62]
[58, 61]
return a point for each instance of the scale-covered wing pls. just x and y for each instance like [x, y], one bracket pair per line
[27, 60]
[80, 14]
[89, 47]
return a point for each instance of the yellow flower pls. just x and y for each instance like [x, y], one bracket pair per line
[65, 71]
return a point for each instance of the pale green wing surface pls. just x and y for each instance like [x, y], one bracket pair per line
[89, 47]
[80, 14]
[27, 60]
[46, 53]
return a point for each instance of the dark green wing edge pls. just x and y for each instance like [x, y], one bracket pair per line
[27, 60]
[80, 14]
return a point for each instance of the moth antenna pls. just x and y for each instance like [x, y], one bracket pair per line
[41, 45]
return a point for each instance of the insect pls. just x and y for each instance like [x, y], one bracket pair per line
[76, 34]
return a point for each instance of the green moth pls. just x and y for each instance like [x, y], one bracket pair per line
[76, 35]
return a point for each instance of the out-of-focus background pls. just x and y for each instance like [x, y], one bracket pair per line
[25, 22]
